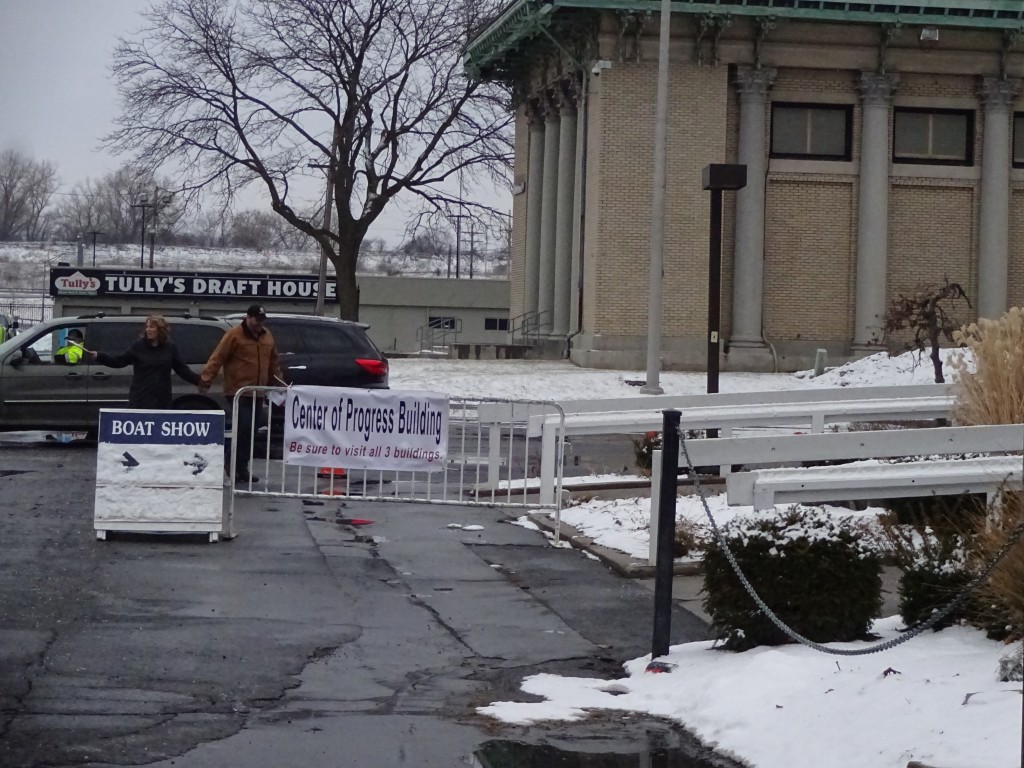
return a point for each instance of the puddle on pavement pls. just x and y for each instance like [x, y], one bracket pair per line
[516, 754]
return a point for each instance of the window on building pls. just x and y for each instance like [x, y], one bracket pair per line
[811, 131]
[1018, 140]
[495, 323]
[934, 136]
[448, 323]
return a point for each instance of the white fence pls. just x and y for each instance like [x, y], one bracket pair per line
[812, 415]
[492, 461]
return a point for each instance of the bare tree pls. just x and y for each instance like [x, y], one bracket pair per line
[26, 186]
[110, 205]
[930, 315]
[369, 92]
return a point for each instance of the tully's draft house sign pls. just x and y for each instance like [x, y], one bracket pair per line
[78, 281]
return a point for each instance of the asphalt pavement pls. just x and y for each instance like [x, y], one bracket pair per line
[304, 641]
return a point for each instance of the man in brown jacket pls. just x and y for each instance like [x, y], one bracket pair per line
[248, 355]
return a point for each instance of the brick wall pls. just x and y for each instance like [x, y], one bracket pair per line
[620, 243]
[810, 258]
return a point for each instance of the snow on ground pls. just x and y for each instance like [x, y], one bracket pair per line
[935, 699]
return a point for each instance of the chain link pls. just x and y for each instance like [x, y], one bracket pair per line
[908, 634]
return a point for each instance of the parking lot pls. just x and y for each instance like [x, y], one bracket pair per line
[305, 640]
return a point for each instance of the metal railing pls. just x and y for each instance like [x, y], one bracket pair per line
[528, 327]
[436, 338]
[491, 461]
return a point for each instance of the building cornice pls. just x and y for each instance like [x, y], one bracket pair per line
[524, 19]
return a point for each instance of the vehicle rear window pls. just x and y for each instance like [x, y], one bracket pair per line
[330, 339]
[288, 337]
[112, 338]
[196, 342]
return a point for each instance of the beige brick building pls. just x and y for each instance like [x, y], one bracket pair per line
[884, 146]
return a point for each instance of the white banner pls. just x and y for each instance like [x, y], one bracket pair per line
[366, 428]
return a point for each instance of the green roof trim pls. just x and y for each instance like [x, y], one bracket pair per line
[523, 18]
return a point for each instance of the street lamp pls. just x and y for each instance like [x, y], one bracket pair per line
[94, 232]
[716, 178]
[143, 204]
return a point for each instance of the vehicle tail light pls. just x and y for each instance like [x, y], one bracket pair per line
[374, 367]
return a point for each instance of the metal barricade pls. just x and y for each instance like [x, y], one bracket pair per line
[491, 461]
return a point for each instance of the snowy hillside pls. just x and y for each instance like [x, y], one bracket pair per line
[24, 266]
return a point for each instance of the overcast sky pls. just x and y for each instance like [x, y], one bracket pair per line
[56, 96]
[57, 99]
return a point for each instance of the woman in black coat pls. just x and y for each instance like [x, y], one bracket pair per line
[153, 357]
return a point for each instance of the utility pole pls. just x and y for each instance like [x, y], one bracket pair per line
[321, 280]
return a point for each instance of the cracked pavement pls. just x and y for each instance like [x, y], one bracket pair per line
[303, 641]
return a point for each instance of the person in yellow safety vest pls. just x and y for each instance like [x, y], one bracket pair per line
[72, 349]
[3, 334]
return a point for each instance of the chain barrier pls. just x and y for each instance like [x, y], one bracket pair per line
[908, 634]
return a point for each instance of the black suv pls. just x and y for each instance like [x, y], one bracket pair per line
[41, 389]
[320, 351]
[326, 352]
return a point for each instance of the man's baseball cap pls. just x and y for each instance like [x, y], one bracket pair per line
[256, 311]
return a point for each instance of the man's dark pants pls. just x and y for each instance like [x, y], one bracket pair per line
[251, 417]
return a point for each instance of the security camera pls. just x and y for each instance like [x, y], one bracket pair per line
[596, 71]
[600, 66]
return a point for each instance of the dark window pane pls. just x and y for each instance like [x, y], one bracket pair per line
[112, 338]
[949, 136]
[936, 137]
[789, 131]
[288, 337]
[327, 340]
[810, 131]
[195, 342]
[828, 132]
[911, 134]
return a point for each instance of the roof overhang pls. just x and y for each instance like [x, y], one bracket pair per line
[524, 18]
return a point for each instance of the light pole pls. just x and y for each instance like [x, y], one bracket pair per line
[143, 204]
[94, 232]
[159, 205]
[653, 386]
[716, 178]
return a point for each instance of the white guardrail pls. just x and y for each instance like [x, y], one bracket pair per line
[888, 404]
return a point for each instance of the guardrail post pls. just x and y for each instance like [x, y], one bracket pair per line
[663, 568]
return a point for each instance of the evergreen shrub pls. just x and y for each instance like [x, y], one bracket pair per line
[931, 544]
[820, 573]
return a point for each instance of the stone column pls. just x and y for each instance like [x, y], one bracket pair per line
[993, 236]
[548, 218]
[748, 262]
[534, 186]
[873, 210]
[565, 194]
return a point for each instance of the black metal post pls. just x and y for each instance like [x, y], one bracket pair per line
[714, 290]
[663, 566]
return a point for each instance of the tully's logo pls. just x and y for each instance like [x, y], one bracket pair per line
[77, 283]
